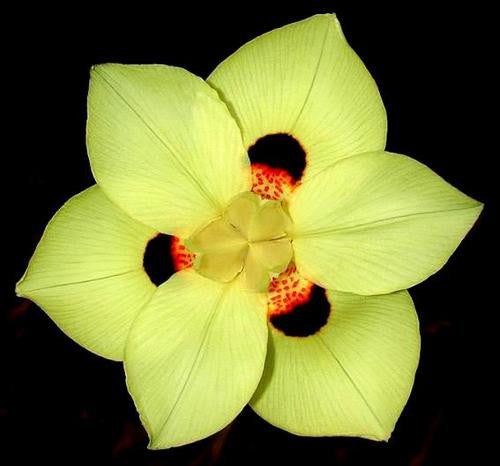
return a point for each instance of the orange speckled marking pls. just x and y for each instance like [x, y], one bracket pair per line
[271, 183]
[181, 256]
[286, 291]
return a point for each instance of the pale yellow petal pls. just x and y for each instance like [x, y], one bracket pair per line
[376, 223]
[351, 378]
[163, 146]
[194, 357]
[305, 80]
[87, 272]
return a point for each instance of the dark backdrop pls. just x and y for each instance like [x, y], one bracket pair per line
[59, 402]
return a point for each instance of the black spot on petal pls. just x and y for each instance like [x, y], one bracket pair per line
[307, 318]
[158, 262]
[279, 150]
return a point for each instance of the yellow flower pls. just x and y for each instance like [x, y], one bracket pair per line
[169, 153]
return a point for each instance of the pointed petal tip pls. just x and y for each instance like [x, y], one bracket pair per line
[96, 69]
[375, 434]
[328, 18]
[156, 443]
[379, 434]
[18, 289]
[386, 438]
[153, 444]
[478, 207]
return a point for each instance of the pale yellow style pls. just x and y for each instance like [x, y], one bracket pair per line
[249, 240]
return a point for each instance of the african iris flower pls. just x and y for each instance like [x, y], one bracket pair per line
[259, 250]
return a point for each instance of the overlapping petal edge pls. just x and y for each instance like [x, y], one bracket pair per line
[158, 138]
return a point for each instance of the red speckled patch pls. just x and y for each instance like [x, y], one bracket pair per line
[271, 183]
[181, 256]
[287, 291]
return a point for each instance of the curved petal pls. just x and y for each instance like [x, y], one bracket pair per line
[194, 357]
[352, 378]
[87, 272]
[304, 79]
[377, 223]
[163, 146]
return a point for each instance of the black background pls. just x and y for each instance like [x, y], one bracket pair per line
[59, 402]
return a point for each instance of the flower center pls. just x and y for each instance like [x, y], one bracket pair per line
[249, 240]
